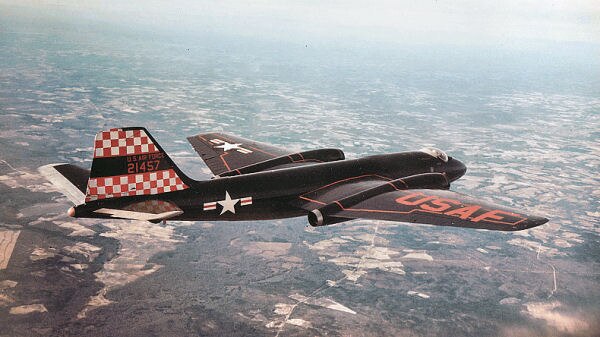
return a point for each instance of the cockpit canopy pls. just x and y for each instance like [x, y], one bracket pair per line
[436, 153]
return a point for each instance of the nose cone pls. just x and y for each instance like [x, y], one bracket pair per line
[455, 169]
[71, 212]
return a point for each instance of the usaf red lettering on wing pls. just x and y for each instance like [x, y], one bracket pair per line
[452, 207]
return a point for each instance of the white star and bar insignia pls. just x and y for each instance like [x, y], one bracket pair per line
[226, 146]
[227, 204]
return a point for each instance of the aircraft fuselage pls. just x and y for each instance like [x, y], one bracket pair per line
[270, 194]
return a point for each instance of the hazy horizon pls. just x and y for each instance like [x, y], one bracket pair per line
[465, 22]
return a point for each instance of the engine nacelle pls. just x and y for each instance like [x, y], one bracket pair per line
[325, 215]
[317, 156]
[316, 219]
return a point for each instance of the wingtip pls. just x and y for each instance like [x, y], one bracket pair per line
[534, 221]
[541, 221]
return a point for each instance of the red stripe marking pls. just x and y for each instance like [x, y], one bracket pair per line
[405, 184]
[224, 161]
[312, 200]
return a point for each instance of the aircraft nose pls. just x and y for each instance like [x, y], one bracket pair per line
[456, 169]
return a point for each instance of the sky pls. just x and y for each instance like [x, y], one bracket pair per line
[461, 22]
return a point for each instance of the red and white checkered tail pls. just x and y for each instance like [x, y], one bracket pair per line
[129, 162]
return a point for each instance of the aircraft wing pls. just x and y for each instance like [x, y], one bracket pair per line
[390, 201]
[222, 152]
[228, 155]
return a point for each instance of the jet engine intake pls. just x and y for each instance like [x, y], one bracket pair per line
[316, 219]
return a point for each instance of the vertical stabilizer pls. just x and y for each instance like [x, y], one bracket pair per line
[129, 162]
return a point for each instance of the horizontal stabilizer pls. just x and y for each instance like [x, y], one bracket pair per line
[123, 214]
[69, 179]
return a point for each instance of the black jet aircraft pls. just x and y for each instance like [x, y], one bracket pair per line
[133, 178]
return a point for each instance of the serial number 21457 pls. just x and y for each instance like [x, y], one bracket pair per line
[143, 166]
